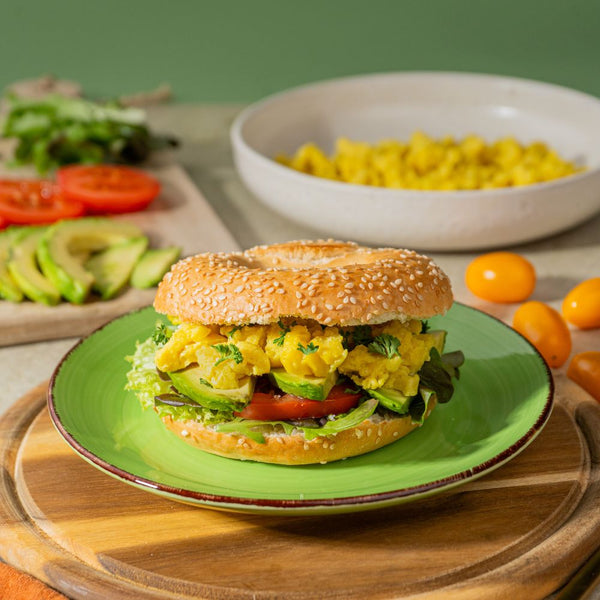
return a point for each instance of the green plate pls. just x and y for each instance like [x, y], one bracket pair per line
[502, 401]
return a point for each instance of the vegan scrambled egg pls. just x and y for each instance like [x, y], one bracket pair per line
[424, 163]
[390, 356]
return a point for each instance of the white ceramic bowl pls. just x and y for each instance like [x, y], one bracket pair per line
[394, 105]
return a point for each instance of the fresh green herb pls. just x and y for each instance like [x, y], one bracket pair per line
[58, 130]
[310, 349]
[161, 334]
[362, 335]
[278, 341]
[233, 330]
[385, 344]
[356, 336]
[228, 352]
[205, 382]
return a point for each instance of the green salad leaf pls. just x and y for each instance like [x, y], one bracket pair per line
[59, 130]
[436, 374]
[154, 392]
[255, 429]
[419, 404]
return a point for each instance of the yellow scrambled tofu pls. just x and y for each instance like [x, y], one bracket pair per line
[425, 163]
[226, 355]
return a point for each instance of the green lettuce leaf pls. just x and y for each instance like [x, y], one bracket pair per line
[142, 377]
[419, 405]
[437, 373]
[144, 380]
[255, 429]
[56, 130]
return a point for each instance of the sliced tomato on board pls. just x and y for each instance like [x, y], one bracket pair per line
[108, 188]
[270, 407]
[35, 201]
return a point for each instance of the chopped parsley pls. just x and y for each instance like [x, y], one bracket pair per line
[228, 352]
[233, 330]
[356, 336]
[278, 341]
[204, 382]
[310, 349]
[385, 344]
[361, 334]
[161, 334]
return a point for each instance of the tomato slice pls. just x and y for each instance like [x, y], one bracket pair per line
[35, 201]
[271, 407]
[108, 188]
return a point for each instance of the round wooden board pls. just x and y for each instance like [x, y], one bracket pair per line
[520, 532]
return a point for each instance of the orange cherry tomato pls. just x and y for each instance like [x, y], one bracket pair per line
[544, 327]
[581, 306]
[584, 370]
[501, 277]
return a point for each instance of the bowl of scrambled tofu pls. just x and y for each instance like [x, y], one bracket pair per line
[427, 160]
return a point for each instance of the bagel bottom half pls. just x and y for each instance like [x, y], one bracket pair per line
[283, 449]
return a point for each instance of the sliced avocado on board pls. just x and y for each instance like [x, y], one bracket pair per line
[66, 245]
[24, 269]
[313, 388]
[9, 290]
[112, 267]
[392, 399]
[190, 383]
[153, 265]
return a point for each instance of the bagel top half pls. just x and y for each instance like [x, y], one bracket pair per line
[333, 283]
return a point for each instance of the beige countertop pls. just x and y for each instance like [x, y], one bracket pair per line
[561, 261]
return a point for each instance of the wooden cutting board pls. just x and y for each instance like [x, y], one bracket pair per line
[180, 216]
[523, 531]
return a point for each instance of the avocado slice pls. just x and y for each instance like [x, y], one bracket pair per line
[190, 383]
[153, 265]
[439, 339]
[23, 267]
[112, 267]
[67, 245]
[313, 388]
[392, 399]
[9, 290]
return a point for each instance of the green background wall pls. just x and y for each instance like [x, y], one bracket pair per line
[241, 50]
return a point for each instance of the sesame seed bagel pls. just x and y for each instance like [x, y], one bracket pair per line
[333, 283]
[294, 449]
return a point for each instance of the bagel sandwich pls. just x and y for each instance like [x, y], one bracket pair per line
[297, 353]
